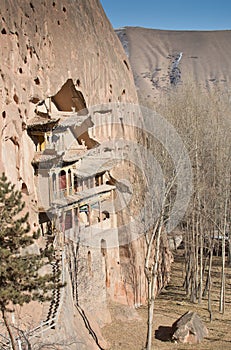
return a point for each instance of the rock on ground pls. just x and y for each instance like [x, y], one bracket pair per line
[189, 329]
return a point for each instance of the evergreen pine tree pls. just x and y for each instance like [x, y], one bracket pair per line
[20, 281]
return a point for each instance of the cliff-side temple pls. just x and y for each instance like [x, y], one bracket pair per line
[56, 147]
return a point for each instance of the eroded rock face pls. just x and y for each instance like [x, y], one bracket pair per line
[45, 43]
[189, 329]
[49, 47]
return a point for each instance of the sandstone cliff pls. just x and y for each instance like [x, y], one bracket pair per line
[66, 51]
[43, 44]
[60, 50]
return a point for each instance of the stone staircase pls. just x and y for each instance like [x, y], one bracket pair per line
[4, 342]
[53, 311]
[56, 293]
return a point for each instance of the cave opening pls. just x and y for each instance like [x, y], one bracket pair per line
[68, 98]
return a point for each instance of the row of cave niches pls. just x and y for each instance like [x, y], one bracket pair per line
[3, 31]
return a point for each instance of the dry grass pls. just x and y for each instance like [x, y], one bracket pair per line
[170, 305]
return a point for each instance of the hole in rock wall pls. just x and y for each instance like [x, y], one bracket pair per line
[20, 70]
[68, 99]
[3, 31]
[64, 9]
[24, 126]
[78, 82]
[58, 23]
[4, 114]
[24, 189]
[15, 97]
[126, 64]
[37, 81]
[32, 6]
[34, 100]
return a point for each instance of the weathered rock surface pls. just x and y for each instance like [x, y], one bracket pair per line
[189, 329]
[48, 47]
[43, 44]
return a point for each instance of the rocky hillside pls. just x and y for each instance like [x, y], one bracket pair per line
[162, 58]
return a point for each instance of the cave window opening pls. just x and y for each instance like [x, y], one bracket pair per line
[24, 189]
[3, 31]
[15, 97]
[37, 81]
[68, 98]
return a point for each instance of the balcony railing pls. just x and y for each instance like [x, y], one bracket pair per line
[61, 194]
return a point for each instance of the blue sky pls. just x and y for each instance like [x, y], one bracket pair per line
[170, 14]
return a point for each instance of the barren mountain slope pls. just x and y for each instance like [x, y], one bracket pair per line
[160, 58]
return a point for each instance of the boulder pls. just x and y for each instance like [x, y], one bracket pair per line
[189, 329]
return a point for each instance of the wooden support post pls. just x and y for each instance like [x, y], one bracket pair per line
[57, 185]
[100, 213]
[67, 183]
[89, 214]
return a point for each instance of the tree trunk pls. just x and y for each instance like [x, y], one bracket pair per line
[153, 287]
[222, 291]
[13, 345]
[210, 285]
[150, 323]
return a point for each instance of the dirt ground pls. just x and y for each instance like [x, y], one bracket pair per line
[127, 334]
